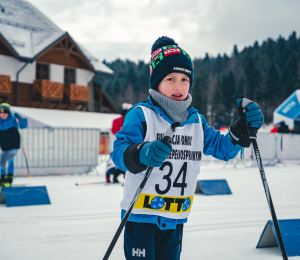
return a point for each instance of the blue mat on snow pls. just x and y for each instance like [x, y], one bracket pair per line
[213, 187]
[26, 196]
[290, 231]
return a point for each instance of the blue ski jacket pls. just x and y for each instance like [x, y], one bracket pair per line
[9, 134]
[133, 133]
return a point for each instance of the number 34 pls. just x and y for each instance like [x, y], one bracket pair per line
[176, 184]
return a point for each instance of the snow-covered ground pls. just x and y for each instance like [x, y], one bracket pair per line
[81, 221]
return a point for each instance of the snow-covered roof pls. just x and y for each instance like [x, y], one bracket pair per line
[99, 66]
[29, 32]
[38, 117]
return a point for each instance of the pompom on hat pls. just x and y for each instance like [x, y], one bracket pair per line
[125, 108]
[167, 57]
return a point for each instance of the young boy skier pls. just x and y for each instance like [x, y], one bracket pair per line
[9, 141]
[154, 229]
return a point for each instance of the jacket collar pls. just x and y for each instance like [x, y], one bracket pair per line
[151, 103]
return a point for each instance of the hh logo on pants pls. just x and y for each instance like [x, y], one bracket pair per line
[139, 252]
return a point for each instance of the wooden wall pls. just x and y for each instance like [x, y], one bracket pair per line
[25, 99]
[58, 57]
[66, 53]
[4, 49]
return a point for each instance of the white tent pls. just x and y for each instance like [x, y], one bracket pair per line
[289, 110]
[37, 117]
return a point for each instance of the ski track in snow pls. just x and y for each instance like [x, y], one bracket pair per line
[81, 221]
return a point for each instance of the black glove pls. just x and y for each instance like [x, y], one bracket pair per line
[238, 134]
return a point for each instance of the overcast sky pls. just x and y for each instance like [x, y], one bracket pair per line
[126, 29]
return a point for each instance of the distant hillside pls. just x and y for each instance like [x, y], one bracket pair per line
[267, 73]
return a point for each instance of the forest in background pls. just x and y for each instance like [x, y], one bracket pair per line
[266, 73]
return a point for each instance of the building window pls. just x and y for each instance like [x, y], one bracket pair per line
[69, 76]
[42, 71]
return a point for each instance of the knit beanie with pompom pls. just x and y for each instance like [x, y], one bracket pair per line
[167, 57]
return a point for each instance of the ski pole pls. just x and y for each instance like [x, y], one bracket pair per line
[23, 148]
[167, 136]
[253, 137]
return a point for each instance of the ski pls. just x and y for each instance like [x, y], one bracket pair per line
[90, 183]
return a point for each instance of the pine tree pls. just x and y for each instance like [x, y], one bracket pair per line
[227, 87]
[206, 59]
[218, 108]
[293, 43]
[199, 92]
[291, 85]
[218, 64]
[235, 51]
[282, 53]
[240, 89]
[270, 48]
[252, 77]
[272, 84]
[290, 75]
[225, 60]
[117, 87]
[109, 90]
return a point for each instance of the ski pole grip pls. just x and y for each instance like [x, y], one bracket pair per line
[241, 108]
[169, 133]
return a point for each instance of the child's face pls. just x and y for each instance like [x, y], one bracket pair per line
[3, 116]
[175, 86]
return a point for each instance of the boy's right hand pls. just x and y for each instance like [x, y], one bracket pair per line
[154, 153]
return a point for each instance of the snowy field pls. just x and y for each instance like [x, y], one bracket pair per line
[81, 221]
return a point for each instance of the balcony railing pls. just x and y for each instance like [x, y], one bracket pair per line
[76, 93]
[48, 90]
[5, 85]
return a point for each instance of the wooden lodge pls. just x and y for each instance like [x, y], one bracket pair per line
[41, 66]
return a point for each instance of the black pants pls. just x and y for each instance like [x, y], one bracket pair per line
[117, 173]
[146, 241]
[114, 171]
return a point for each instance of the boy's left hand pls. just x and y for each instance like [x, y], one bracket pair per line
[250, 112]
[250, 116]
[17, 115]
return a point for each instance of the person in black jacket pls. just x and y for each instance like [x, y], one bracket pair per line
[9, 141]
[283, 128]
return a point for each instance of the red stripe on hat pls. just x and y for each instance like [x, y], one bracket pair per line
[172, 51]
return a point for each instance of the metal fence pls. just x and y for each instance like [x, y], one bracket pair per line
[62, 150]
[274, 148]
[59, 148]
